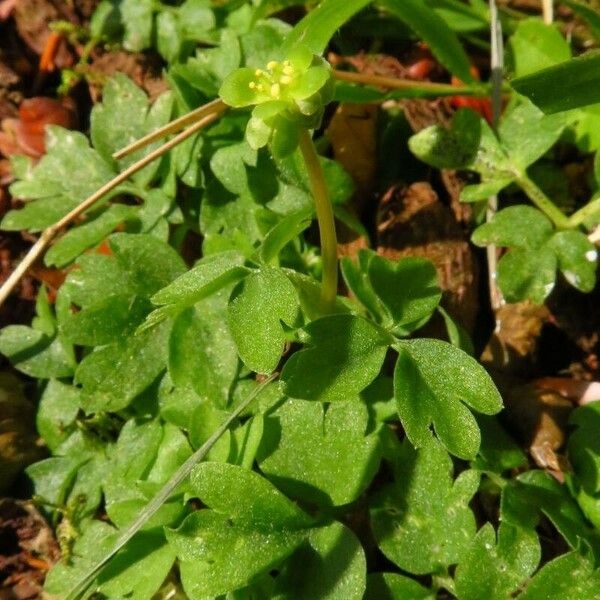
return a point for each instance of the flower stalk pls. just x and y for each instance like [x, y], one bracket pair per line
[325, 219]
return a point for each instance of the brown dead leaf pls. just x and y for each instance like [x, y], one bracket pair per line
[25, 134]
[513, 344]
[352, 133]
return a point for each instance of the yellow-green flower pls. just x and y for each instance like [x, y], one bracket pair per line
[286, 94]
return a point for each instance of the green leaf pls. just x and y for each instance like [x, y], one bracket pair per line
[498, 452]
[345, 353]
[535, 45]
[577, 259]
[36, 354]
[528, 269]
[393, 586]
[124, 116]
[250, 528]
[407, 288]
[87, 235]
[208, 276]
[584, 446]
[319, 26]
[527, 133]
[432, 29]
[69, 172]
[454, 148]
[284, 232]
[145, 456]
[339, 183]
[136, 16]
[578, 79]
[57, 411]
[516, 226]
[457, 335]
[422, 522]
[217, 554]
[112, 292]
[202, 353]
[169, 35]
[318, 456]
[356, 277]
[494, 569]
[524, 274]
[112, 376]
[137, 571]
[432, 380]
[568, 577]
[257, 309]
[196, 18]
[535, 491]
[246, 496]
[52, 478]
[330, 565]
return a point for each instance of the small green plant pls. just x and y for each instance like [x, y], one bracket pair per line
[237, 428]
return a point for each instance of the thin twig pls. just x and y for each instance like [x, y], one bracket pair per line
[215, 107]
[497, 69]
[165, 492]
[50, 233]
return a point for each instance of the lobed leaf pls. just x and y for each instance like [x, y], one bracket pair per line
[432, 380]
[422, 521]
[344, 354]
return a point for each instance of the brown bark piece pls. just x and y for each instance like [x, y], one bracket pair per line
[27, 550]
[143, 70]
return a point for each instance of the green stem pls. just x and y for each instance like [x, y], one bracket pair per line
[537, 196]
[589, 210]
[325, 219]
[394, 83]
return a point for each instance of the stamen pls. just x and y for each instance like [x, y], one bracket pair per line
[252, 85]
[275, 90]
[288, 69]
[272, 65]
[285, 79]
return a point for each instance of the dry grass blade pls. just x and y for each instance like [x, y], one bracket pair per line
[215, 107]
[51, 232]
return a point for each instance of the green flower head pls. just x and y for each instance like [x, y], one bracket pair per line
[286, 95]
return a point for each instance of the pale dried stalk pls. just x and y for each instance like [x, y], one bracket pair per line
[497, 69]
[51, 232]
[215, 107]
[548, 11]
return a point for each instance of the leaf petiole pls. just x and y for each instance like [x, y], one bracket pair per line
[539, 198]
